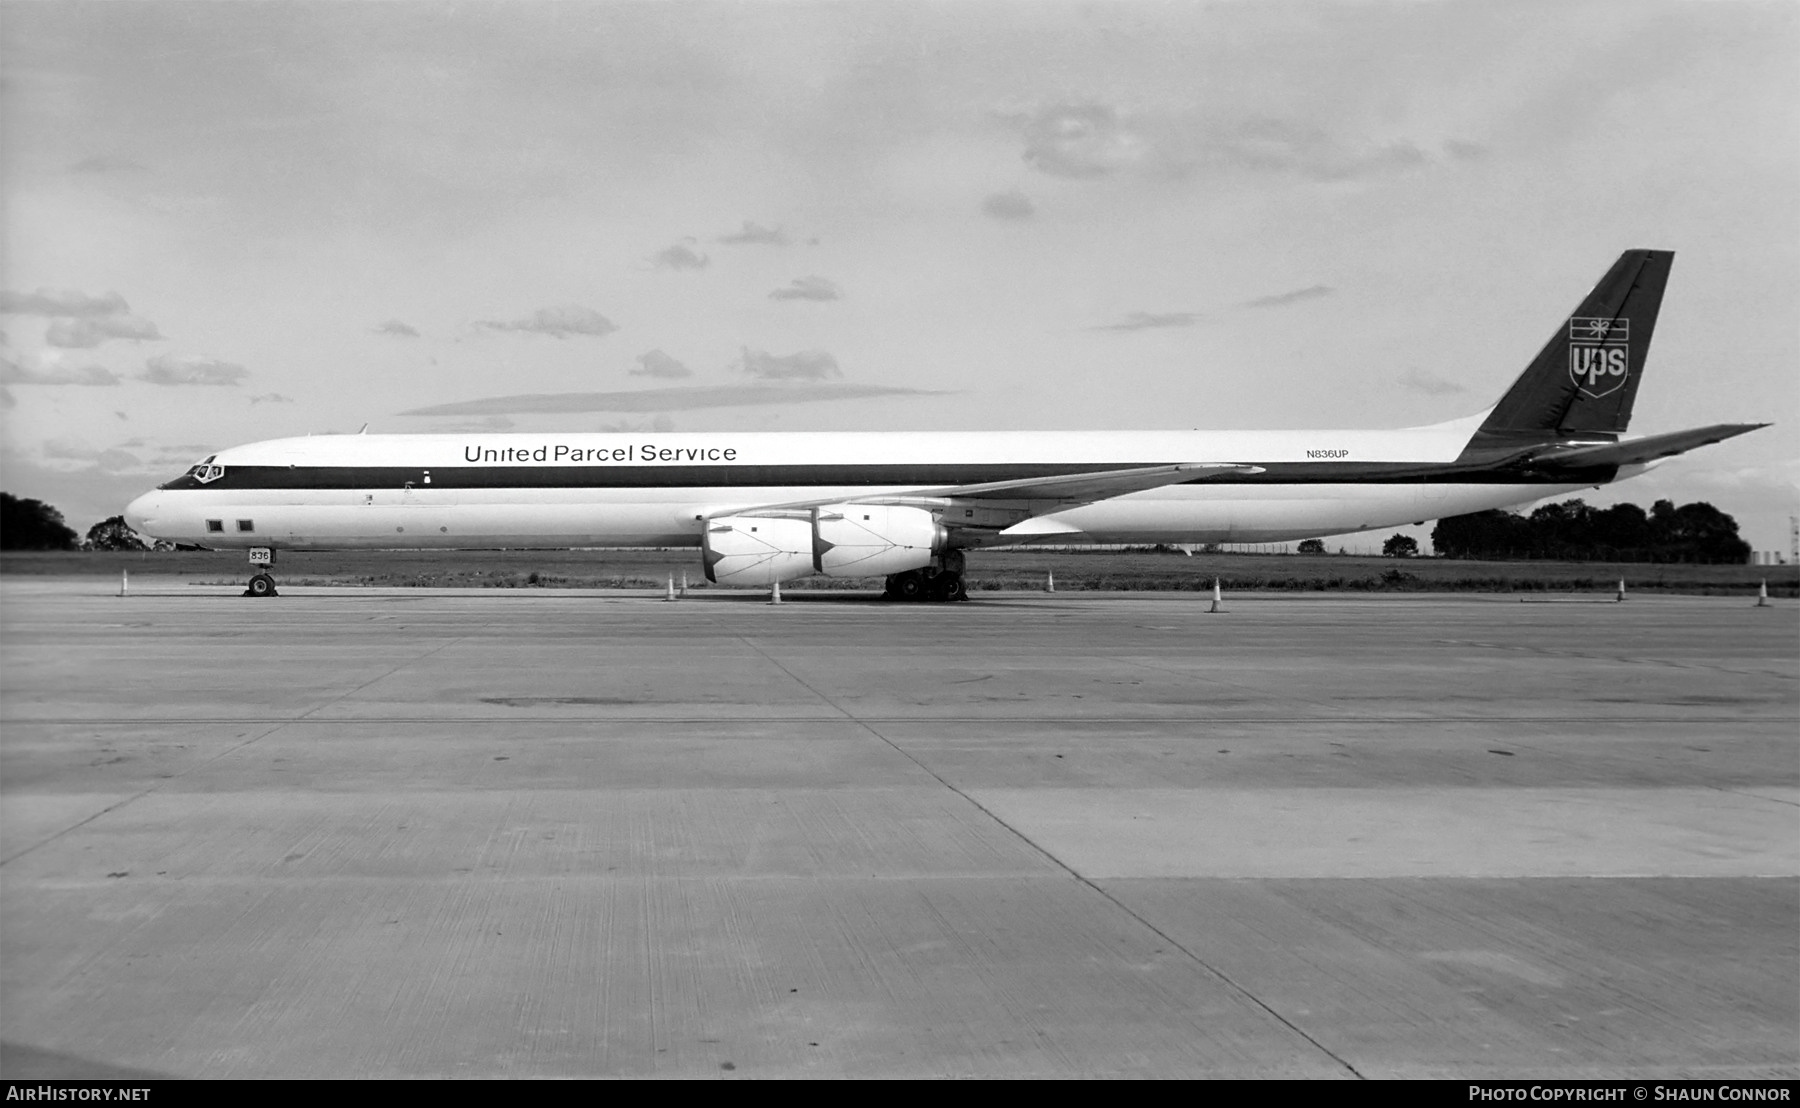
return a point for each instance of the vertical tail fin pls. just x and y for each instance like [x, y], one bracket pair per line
[1585, 379]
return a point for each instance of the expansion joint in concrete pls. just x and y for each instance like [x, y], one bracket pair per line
[1214, 971]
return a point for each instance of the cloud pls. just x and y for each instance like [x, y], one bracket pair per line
[80, 321]
[397, 329]
[103, 163]
[61, 302]
[85, 332]
[118, 461]
[754, 235]
[682, 256]
[12, 373]
[807, 365]
[1142, 321]
[560, 323]
[112, 460]
[657, 364]
[124, 457]
[680, 398]
[167, 369]
[271, 398]
[662, 424]
[63, 448]
[1095, 140]
[807, 288]
[1081, 140]
[1311, 292]
[1465, 151]
[1418, 380]
[184, 454]
[1012, 205]
[484, 426]
[1279, 146]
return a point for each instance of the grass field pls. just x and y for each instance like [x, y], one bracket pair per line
[1130, 571]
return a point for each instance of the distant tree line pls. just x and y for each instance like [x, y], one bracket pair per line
[33, 525]
[27, 524]
[1569, 531]
[1573, 531]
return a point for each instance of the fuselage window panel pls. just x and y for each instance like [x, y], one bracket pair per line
[215, 525]
[246, 525]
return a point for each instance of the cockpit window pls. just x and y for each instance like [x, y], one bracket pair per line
[204, 473]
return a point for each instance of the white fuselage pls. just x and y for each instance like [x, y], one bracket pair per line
[574, 490]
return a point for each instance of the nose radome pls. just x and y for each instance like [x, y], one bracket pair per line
[140, 514]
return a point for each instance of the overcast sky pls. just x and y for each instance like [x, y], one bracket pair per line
[228, 222]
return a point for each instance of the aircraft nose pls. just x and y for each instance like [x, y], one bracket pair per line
[140, 514]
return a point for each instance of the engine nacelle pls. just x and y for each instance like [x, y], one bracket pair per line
[873, 540]
[842, 540]
[751, 550]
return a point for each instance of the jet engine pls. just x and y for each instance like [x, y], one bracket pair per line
[873, 540]
[757, 550]
[841, 540]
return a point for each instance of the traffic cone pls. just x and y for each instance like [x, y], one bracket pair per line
[1050, 581]
[1620, 598]
[775, 593]
[683, 590]
[1218, 604]
[670, 595]
[124, 581]
[1762, 595]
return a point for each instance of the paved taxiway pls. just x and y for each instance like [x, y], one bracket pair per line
[405, 832]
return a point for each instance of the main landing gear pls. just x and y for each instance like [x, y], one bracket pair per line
[261, 584]
[941, 582]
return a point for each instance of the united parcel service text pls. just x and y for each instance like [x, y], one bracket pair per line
[631, 452]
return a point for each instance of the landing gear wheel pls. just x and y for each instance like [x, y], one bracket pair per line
[907, 586]
[948, 588]
[261, 585]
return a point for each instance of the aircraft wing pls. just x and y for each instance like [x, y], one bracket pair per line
[1087, 487]
[1067, 488]
[1639, 451]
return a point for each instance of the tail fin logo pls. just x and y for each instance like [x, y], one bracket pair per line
[1586, 329]
[1599, 359]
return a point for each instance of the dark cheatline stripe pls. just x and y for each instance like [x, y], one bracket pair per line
[802, 476]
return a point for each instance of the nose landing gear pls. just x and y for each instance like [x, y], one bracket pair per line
[261, 584]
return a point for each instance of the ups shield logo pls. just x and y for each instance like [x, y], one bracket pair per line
[1597, 370]
[1599, 357]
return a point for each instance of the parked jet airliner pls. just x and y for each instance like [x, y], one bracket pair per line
[765, 508]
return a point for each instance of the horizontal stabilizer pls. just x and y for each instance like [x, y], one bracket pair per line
[1639, 451]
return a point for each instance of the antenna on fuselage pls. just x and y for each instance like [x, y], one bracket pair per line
[365, 429]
